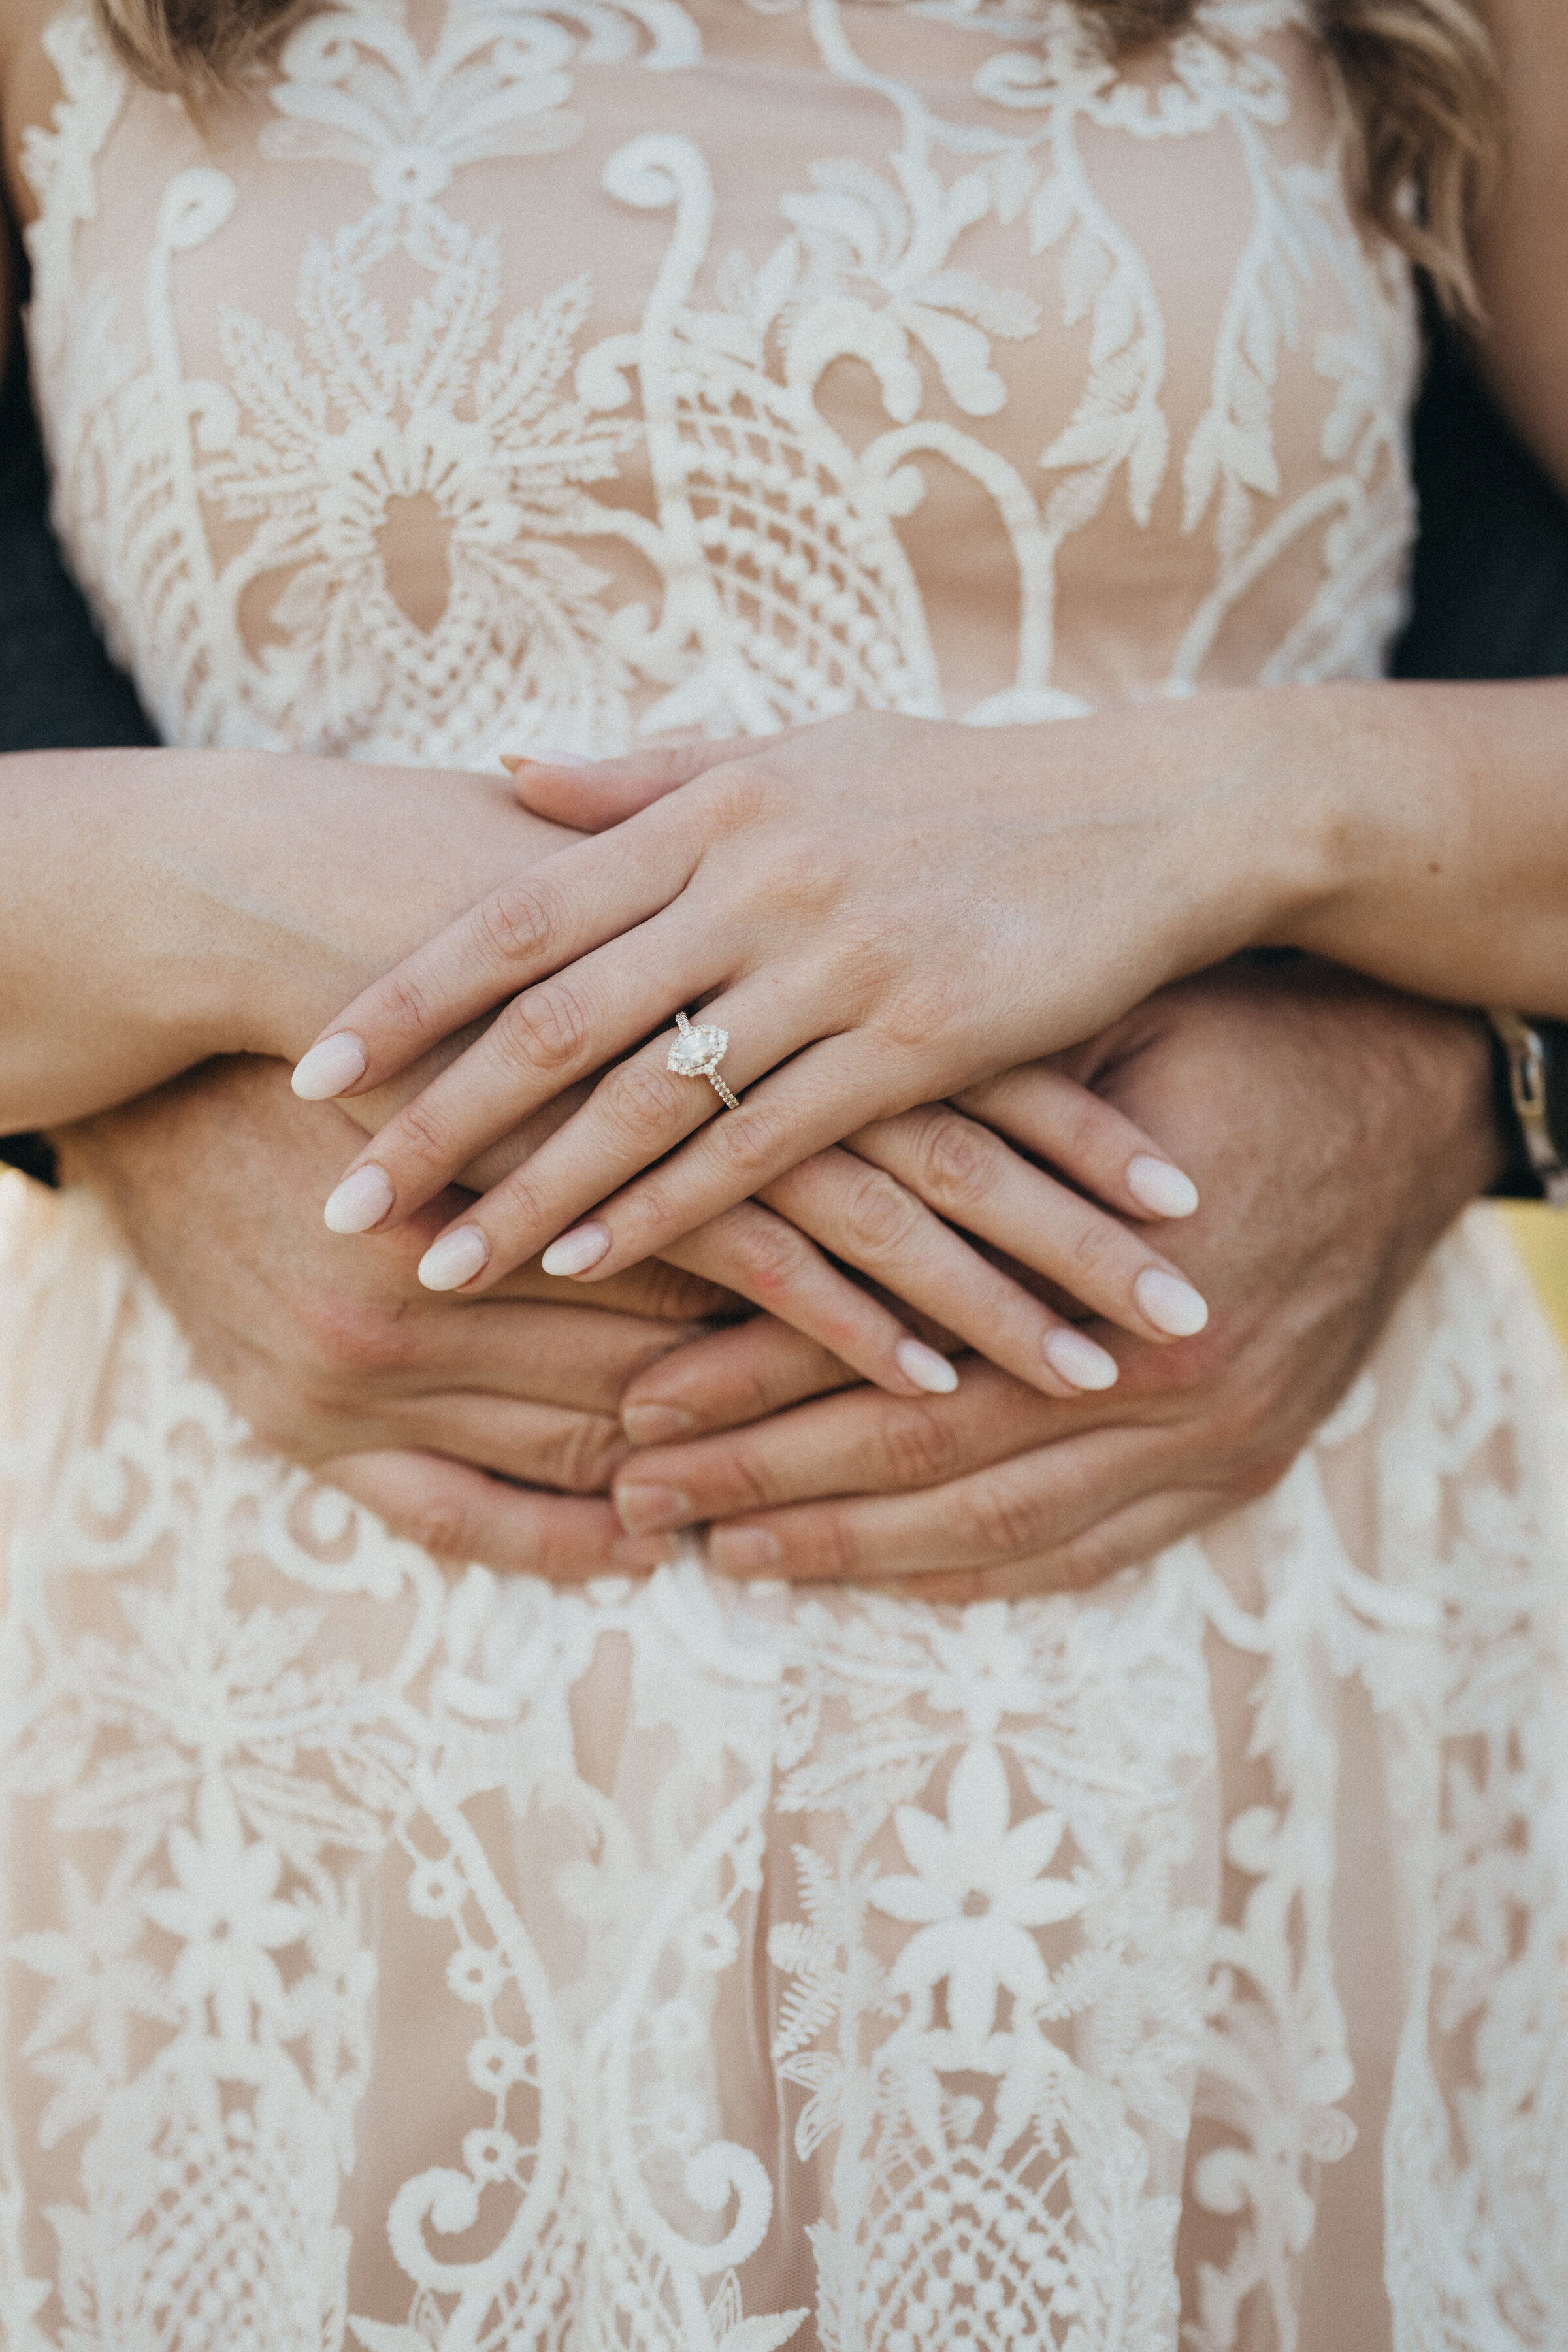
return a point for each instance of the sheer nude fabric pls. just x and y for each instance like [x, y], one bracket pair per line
[399, 1957]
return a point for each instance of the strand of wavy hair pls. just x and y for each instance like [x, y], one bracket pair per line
[1421, 76]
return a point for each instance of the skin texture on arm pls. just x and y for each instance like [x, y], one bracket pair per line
[1335, 1131]
[157, 907]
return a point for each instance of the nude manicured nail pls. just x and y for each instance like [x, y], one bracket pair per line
[657, 1424]
[1161, 1189]
[576, 1252]
[1078, 1361]
[1172, 1305]
[925, 1368]
[743, 1551]
[648, 1510]
[359, 1201]
[455, 1259]
[329, 1068]
[543, 757]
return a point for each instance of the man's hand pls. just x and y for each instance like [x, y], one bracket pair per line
[335, 1356]
[1334, 1130]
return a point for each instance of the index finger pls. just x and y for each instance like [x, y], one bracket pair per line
[529, 926]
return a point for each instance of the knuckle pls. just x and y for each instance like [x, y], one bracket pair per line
[642, 1101]
[580, 1457]
[955, 1164]
[421, 1134]
[997, 1519]
[1083, 1123]
[407, 1003]
[440, 1522]
[925, 1008]
[739, 1478]
[1096, 1240]
[835, 1553]
[877, 1216]
[515, 922]
[749, 1143]
[547, 1029]
[919, 1446]
[774, 1256]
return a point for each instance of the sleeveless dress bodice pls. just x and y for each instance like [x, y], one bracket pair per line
[501, 374]
[403, 1958]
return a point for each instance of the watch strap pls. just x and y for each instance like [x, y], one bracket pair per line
[1535, 1054]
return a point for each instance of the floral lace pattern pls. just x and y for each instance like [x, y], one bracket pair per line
[748, 518]
[829, 1970]
[396, 1958]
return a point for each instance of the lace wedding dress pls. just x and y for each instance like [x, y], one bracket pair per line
[400, 1956]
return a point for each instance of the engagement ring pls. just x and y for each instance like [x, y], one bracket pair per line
[697, 1053]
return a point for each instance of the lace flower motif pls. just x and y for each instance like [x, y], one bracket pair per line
[225, 1911]
[977, 1891]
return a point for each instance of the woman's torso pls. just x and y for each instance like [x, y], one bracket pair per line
[499, 374]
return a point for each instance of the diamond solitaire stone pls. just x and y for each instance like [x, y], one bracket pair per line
[698, 1051]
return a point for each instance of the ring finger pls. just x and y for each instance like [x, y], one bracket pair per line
[637, 1113]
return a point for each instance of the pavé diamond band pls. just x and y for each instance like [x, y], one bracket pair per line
[697, 1053]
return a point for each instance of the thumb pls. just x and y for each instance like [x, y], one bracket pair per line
[591, 795]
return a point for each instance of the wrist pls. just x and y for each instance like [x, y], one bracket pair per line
[1337, 811]
[356, 866]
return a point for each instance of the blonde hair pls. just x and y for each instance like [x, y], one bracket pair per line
[1421, 76]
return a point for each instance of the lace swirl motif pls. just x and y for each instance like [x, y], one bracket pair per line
[784, 589]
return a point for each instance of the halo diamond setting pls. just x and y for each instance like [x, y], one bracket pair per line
[697, 1053]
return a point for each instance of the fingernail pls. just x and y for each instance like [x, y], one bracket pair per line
[925, 1368]
[648, 1510]
[542, 757]
[359, 1201]
[1078, 1360]
[743, 1551]
[455, 1259]
[657, 1424]
[1172, 1305]
[1161, 1189]
[576, 1252]
[330, 1067]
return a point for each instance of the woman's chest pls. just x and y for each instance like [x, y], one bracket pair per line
[502, 367]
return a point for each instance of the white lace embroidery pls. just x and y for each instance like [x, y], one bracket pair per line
[402, 1960]
[240, 1721]
[783, 590]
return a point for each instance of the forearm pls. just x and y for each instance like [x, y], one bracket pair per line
[157, 907]
[1417, 833]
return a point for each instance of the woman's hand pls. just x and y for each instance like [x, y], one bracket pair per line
[879, 911]
[884, 1205]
